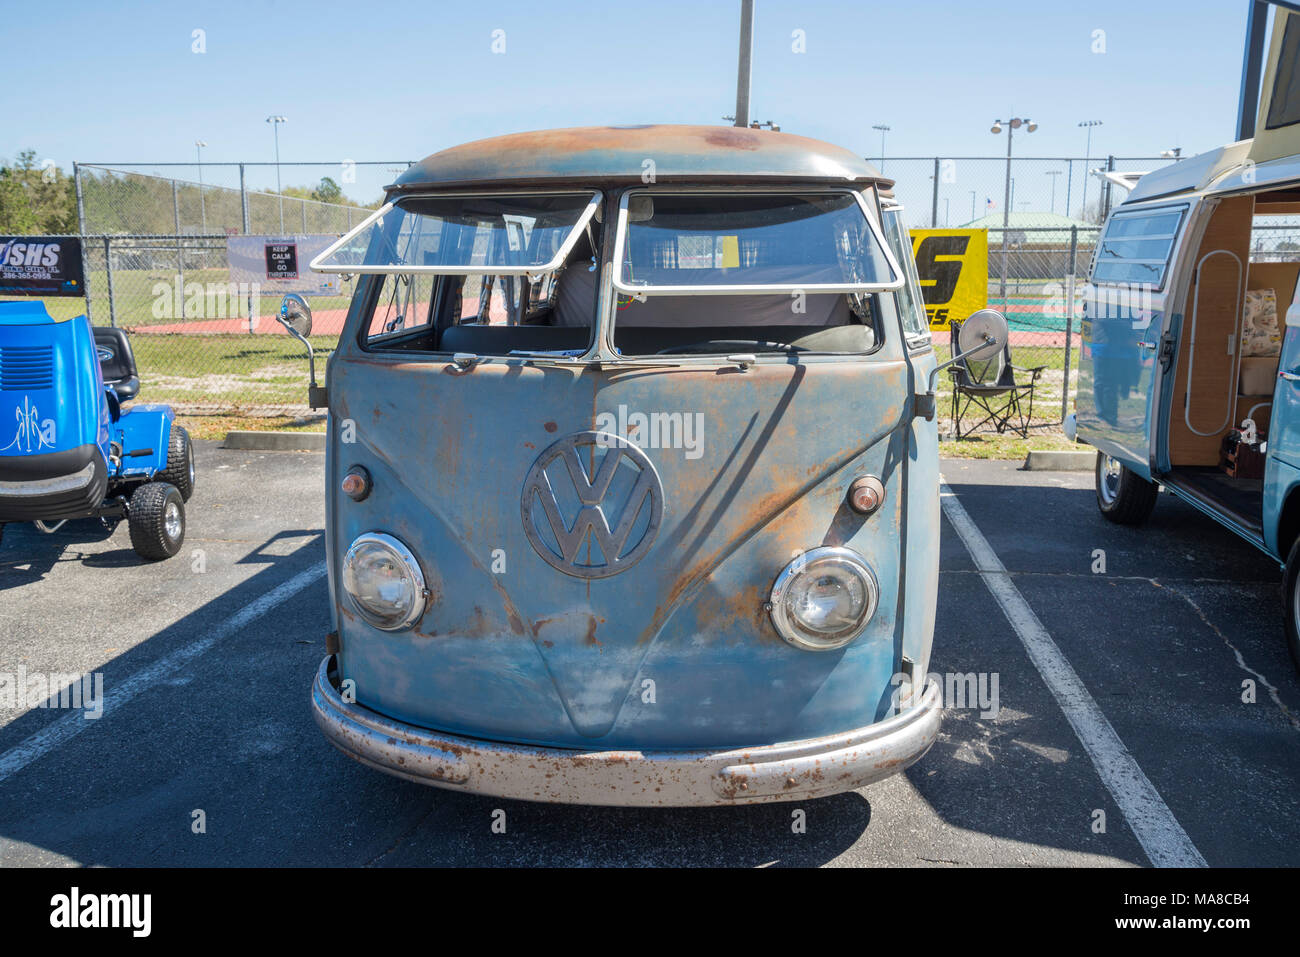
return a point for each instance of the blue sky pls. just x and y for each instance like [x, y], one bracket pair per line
[118, 82]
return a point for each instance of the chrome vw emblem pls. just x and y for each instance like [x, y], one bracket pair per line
[596, 477]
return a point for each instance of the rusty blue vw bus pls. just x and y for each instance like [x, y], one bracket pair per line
[633, 490]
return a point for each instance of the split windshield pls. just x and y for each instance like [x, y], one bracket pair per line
[746, 243]
[707, 272]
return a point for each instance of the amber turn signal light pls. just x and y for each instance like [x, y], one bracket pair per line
[356, 484]
[866, 494]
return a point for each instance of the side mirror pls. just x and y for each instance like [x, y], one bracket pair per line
[295, 314]
[981, 337]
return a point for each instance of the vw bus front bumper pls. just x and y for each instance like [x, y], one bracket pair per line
[778, 772]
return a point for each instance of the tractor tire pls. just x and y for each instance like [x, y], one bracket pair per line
[1291, 603]
[156, 518]
[180, 463]
[1123, 497]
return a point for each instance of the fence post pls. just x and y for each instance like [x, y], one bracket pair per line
[304, 217]
[1069, 319]
[108, 267]
[1110, 168]
[243, 200]
[180, 255]
[934, 199]
[81, 235]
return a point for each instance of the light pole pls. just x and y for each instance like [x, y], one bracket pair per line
[1087, 151]
[744, 62]
[275, 122]
[972, 206]
[1012, 125]
[945, 211]
[883, 130]
[1053, 173]
[203, 211]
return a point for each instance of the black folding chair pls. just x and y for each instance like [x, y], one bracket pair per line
[991, 387]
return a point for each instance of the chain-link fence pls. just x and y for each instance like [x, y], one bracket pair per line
[158, 260]
[1043, 217]
[157, 245]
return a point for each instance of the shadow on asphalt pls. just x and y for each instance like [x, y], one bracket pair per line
[27, 554]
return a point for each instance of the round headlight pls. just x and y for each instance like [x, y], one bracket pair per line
[383, 581]
[824, 598]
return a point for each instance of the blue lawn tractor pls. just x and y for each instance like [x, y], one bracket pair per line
[68, 449]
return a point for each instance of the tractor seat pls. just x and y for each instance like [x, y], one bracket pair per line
[117, 362]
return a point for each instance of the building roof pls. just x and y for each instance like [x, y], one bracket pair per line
[623, 154]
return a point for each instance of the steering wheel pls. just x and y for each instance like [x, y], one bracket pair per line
[729, 345]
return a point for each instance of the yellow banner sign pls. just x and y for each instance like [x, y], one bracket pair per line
[954, 268]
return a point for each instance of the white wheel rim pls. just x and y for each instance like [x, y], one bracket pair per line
[172, 521]
[1108, 478]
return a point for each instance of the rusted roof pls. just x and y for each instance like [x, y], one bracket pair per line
[619, 153]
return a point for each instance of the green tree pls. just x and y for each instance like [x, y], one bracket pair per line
[36, 199]
[329, 192]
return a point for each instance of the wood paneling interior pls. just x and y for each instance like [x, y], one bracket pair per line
[1218, 312]
[1281, 278]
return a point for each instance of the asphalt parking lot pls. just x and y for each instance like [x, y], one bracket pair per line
[208, 659]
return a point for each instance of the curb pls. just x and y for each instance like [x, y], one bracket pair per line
[1055, 461]
[275, 441]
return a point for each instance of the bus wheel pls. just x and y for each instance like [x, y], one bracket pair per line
[1291, 603]
[1122, 496]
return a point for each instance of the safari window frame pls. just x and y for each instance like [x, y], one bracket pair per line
[576, 231]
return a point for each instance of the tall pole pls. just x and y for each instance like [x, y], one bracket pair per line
[1006, 217]
[203, 210]
[1012, 125]
[1053, 173]
[883, 130]
[744, 62]
[972, 206]
[1087, 152]
[275, 122]
[279, 191]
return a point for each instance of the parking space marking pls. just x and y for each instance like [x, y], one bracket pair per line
[1162, 838]
[66, 728]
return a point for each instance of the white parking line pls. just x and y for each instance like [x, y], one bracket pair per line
[1157, 830]
[74, 722]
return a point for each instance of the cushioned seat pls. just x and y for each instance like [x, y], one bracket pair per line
[116, 361]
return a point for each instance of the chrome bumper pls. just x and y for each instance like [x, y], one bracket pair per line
[778, 772]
